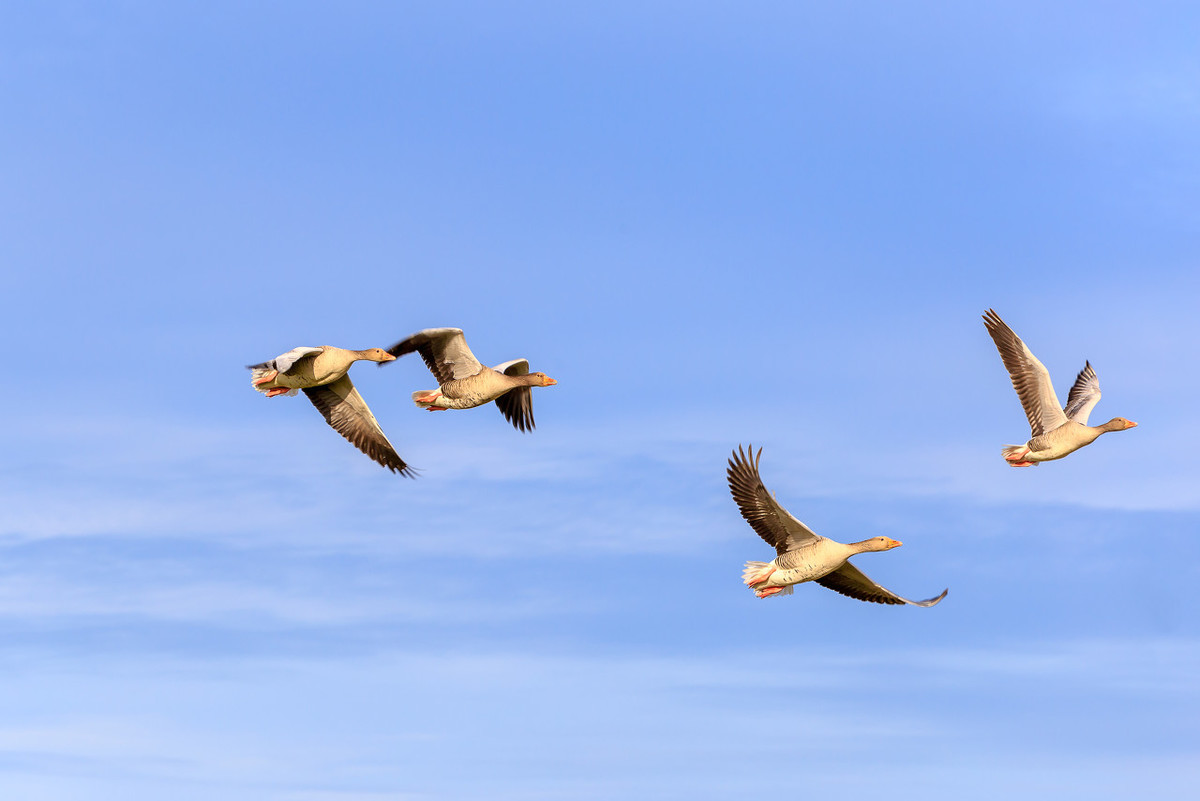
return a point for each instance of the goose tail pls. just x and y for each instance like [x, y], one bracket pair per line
[1016, 455]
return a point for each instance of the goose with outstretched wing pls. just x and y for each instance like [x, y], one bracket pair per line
[322, 373]
[802, 554]
[1057, 431]
[464, 383]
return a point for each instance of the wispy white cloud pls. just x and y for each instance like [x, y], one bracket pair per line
[652, 487]
[197, 599]
[536, 722]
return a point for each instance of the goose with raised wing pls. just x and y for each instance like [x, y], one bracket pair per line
[1057, 431]
[322, 374]
[802, 555]
[464, 383]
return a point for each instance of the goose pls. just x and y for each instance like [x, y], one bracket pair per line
[1056, 431]
[321, 373]
[464, 383]
[802, 554]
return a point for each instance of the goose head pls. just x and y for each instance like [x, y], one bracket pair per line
[376, 355]
[878, 544]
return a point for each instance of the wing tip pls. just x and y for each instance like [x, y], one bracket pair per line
[406, 470]
[928, 602]
[746, 456]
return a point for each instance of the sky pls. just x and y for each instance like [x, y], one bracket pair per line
[714, 224]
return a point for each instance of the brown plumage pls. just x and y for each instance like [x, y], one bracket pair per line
[802, 554]
[1056, 431]
[465, 383]
[322, 374]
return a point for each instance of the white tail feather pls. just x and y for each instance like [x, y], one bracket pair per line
[421, 393]
[257, 373]
[752, 574]
[1015, 453]
[756, 573]
[752, 569]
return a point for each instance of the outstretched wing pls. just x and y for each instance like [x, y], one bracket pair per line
[760, 509]
[444, 350]
[285, 362]
[1084, 395]
[1029, 377]
[853, 583]
[517, 404]
[344, 409]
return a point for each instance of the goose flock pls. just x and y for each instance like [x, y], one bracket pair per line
[801, 554]
[464, 383]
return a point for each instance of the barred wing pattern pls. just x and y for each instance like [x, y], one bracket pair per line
[759, 508]
[345, 410]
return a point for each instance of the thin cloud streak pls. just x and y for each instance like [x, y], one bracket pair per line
[633, 718]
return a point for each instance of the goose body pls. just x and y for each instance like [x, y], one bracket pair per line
[464, 383]
[801, 554]
[321, 373]
[1057, 431]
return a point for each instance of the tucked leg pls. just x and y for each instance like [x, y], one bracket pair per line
[760, 576]
[1017, 458]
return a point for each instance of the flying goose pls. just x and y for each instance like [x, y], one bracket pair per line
[802, 554]
[464, 383]
[321, 373]
[1056, 431]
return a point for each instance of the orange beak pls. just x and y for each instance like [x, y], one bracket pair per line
[549, 382]
[1130, 424]
[894, 543]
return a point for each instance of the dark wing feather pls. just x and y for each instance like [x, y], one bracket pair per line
[1029, 377]
[1084, 395]
[853, 583]
[344, 409]
[517, 404]
[445, 353]
[760, 509]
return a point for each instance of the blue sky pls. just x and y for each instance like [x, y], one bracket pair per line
[714, 224]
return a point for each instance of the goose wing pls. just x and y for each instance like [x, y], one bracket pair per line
[517, 404]
[1029, 377]
[1084, 395]
[285, 362]
[760, 509]
[853, 583]
[345, 410]
[444, 350]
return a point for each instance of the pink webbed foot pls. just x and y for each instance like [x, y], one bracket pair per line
[428, 397]
[277, 391]
[1017, 458]
[767, 592]
[760, 576]
[436, 408]
[271, 376]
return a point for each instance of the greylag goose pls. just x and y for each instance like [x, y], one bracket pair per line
[464, 383]
[321, 373]
[802, 554]
[1056, 431]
